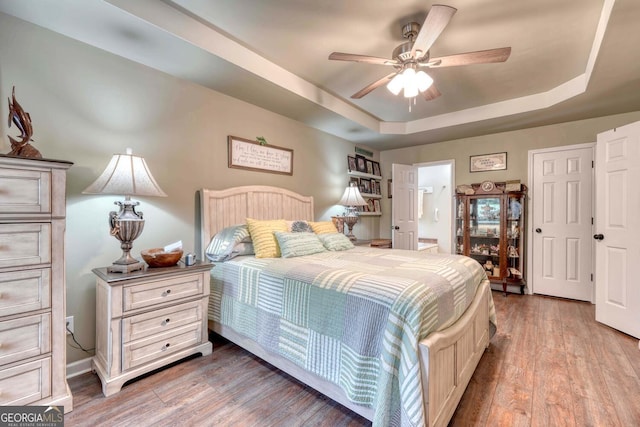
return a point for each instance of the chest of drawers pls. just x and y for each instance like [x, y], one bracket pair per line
[32, 283]
[148, 319]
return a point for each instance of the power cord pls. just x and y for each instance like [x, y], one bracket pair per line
[80, 347]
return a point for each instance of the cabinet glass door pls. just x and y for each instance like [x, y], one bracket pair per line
[515, 239]
[484, 234]
[460, 225]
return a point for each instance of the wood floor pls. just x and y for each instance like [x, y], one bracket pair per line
[550, 364]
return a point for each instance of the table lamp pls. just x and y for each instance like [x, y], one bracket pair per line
[351, 199]
[126, 175]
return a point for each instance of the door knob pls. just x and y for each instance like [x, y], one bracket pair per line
[538, 230]
[395, 227]
[598, 236]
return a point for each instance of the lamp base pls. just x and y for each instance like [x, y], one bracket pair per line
[125, 268]
[350, 221]
[126, 226]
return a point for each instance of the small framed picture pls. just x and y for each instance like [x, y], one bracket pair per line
[369, 167]
[361, 164]
[376, 206]
[375, 187]
[355, 180]
[351, 163]
[365, 185]
[488, 162]
[376, 169]
[371, 205]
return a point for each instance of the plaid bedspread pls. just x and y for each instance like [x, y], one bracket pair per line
[353, 317]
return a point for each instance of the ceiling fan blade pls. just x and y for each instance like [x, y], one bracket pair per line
[478, 57]
[436, 21]
[339, 56]
[431, 93]
[362, 92]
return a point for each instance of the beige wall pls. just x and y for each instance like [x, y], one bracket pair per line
[517, 145]
[86, 104]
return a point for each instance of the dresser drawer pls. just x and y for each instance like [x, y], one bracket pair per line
[157, 346]
[25, 384]
[25, 244]
[23, 291]
[158, 321]
[25, 337]
[25, 191]
[161, 292]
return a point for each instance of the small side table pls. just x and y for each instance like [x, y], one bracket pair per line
[147, 319]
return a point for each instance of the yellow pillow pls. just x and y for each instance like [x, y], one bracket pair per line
[265, 244]
[323, 227]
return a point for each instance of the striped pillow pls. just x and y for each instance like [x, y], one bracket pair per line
[228, 243]
[298, 244]
[264, 242]
[321, 227]
[335, 241]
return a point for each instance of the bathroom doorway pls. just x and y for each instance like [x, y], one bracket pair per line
[435, 205]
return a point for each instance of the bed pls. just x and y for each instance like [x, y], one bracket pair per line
[415, 380]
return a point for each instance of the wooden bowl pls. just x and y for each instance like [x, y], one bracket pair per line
[157, 257]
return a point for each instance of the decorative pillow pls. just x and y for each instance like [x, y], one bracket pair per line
[298, 244]
[264, 242]
[228, 243]
[335, 241]
[299, 226]
[322, 227]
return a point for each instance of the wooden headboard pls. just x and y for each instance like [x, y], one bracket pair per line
[222, 208]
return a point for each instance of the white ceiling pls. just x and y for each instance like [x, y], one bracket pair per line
[570, 60]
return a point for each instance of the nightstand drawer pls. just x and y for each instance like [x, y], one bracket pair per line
[25, 191]
[23, 291]
[25, 337]
[25, 384]
[25, 244]
[149, 349]
[162, 292]
[158, 321]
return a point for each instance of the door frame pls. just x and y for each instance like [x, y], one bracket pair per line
[452, 183]
[531, 153]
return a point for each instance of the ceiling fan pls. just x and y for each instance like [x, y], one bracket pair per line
[411, 56]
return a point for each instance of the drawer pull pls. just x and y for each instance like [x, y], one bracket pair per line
[166, 346]
[167, 320]
[167, 292]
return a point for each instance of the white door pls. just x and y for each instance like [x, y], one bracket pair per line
[617, 230]
[404, 208]
[561, 197]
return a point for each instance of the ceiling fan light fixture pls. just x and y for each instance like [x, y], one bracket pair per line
[424, 81]
[396, 84]
[410, 83]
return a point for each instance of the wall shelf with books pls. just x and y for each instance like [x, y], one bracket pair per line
[367, 176]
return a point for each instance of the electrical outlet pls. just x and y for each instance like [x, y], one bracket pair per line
[69, 324]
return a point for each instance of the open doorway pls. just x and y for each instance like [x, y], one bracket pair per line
[435, 205]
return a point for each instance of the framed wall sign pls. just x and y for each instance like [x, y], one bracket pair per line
[251, 155]
[488, 162]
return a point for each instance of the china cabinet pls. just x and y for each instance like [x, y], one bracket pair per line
[490, 224]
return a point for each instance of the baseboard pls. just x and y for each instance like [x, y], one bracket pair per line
[79, 367]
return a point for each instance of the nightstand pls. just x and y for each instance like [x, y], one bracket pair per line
[148, 319]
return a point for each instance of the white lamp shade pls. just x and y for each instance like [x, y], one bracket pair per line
[127, 175]
[424, 81]
[410, 83]
[352, 197]
[396, 84]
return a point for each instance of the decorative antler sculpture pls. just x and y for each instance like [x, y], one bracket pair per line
[22, 120]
